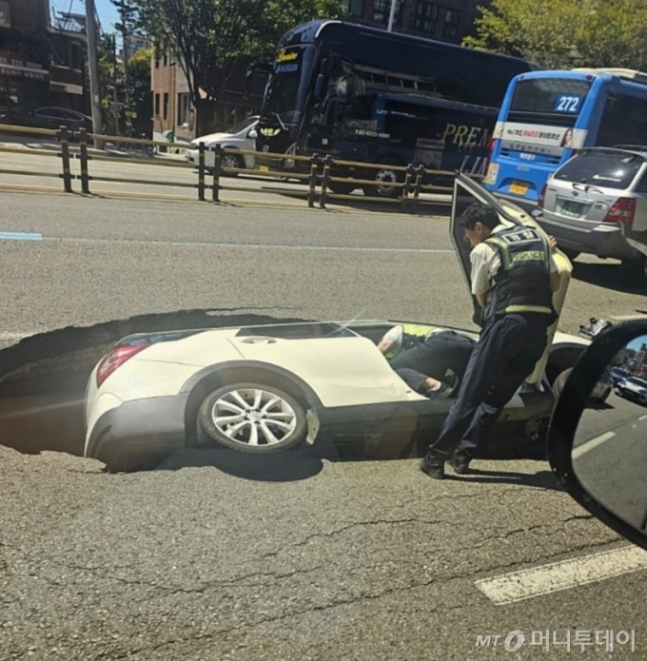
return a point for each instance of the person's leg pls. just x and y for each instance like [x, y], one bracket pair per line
[530, 344]
[499, 343]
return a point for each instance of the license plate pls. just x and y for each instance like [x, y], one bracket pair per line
[571, 209]
[519, 187]
[264, 168]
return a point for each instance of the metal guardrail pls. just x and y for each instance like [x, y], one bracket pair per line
[318, 178]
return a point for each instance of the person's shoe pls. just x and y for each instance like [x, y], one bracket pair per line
[442, 392]
[461, 463]
[434, 466]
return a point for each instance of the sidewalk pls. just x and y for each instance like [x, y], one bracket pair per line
[38, 142]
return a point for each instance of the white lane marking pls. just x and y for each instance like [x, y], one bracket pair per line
[250, 246]
[591, 444]
[642, 417]
[529, 583]
[20, 236]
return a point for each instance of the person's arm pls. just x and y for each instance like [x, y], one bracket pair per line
[480, 272]
[555, 276]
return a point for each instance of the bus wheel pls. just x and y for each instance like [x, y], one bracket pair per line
[341, 187]
[385, 178]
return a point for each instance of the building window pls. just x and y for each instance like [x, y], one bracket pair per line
[76, 56]
[424, 17]
[165, 116]
[355, 7]
[452, 19]
[382, 11]
[184, 109]
[157, 104]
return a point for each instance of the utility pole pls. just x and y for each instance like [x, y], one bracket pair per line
[392, 15]
[91, 31]
[115, 94]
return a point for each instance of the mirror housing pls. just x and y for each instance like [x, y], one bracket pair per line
[598, 456]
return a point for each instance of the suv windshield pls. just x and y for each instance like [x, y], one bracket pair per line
[609, 169]
[641, 383]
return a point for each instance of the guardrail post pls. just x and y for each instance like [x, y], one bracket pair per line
[327, 163]
[63, 136]
[315, 162]
[83, 149]
[201, 169]
[406, 188]
[217, 165]
[420, 170]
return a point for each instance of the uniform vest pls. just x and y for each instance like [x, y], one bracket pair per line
[522, 283]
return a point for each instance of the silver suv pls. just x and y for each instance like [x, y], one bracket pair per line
[597, 203]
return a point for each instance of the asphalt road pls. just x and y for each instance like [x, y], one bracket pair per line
[329, 560]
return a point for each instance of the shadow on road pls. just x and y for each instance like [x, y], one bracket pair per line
[540, 480]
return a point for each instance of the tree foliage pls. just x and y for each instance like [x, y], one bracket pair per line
[212, 39]
[566, 33]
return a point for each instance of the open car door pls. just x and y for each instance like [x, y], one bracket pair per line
[466, 192]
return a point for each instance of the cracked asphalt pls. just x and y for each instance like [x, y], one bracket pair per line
[325, 560]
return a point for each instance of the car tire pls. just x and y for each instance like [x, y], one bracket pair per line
[252, 407]
[232, 161]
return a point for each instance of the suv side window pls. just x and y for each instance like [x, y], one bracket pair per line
[641, 187]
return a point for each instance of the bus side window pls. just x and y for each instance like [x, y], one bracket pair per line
[624, 121]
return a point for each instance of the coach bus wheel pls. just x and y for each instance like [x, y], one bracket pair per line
[385, 178]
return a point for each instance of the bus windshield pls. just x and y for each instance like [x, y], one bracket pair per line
[287, 87]
[550, 101]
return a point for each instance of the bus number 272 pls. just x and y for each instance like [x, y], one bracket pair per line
[568, 103]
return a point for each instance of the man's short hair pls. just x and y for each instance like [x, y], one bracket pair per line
[479, 213]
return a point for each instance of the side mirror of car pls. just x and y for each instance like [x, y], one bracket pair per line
[598, 449]
[252, 134]
[320, 87]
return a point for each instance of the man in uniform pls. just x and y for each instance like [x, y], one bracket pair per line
[513, 278]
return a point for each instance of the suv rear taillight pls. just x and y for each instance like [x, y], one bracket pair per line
[115, 359]
[542, 196]
[622, 211]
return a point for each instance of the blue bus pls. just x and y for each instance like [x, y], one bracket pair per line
[547, 116]
[370, 96]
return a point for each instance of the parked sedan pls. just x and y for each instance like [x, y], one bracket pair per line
[50, 117]
[268, 389]
[597, 203]
[241, 136]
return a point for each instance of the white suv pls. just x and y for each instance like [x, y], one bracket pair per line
[597, 203]
[240, 136]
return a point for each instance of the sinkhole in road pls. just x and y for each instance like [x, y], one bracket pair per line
[43, 377]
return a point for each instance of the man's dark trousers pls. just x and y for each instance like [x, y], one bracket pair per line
[440, 352]
[506, 353]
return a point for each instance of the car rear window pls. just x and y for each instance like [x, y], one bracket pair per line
[605, 169]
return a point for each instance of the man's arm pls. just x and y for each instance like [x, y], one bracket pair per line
[555, 276]
[480, 272]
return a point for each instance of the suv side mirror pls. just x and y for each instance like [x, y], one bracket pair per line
[320, 87]
[596, 447]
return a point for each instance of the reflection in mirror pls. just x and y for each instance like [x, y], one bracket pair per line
[610, 446]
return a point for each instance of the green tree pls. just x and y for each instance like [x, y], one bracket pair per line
[566, 33]
[212, 39]
[139, 67]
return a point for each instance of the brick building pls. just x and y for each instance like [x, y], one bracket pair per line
[40, 64]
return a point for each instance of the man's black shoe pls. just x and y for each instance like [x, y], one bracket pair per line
[461, 463]
[433, 466]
